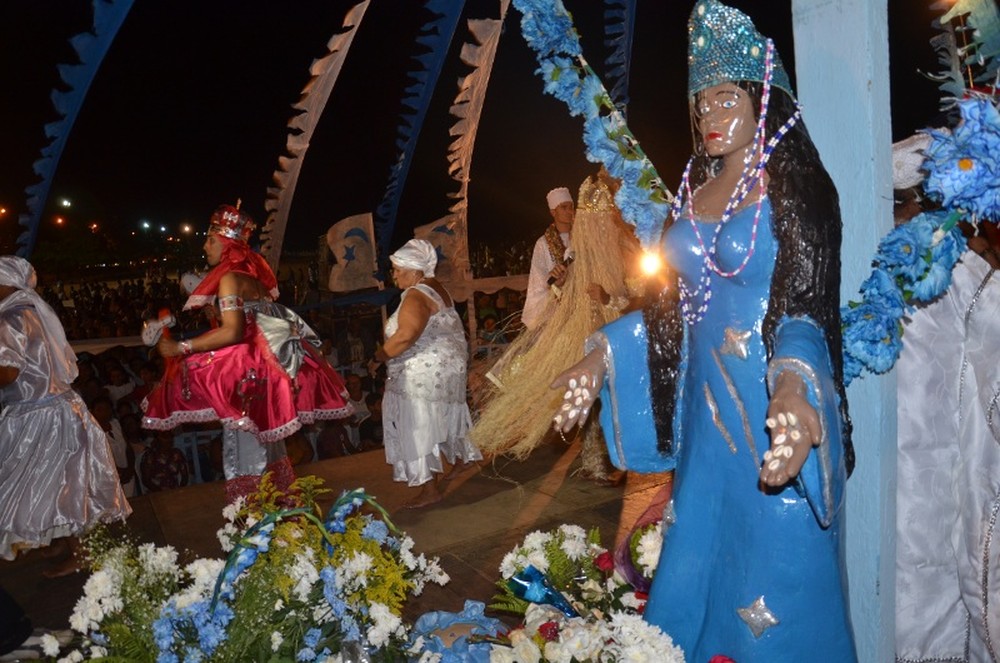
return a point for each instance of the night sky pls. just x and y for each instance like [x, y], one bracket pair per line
[189, 110]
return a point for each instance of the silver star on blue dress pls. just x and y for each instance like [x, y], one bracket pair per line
[758, 617]
[736, 343]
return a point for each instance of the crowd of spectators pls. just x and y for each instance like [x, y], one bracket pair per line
[114, 382]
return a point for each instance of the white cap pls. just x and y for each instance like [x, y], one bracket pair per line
[558, 196]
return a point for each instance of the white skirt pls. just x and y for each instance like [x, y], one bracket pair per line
[417, 431]
[57, 473]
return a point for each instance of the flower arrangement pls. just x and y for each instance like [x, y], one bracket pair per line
[914, 261]
[549, 635]
[294, 587]
[963, 165]
[566, 567]
[913, 264]
[642, 198]
[576, 605]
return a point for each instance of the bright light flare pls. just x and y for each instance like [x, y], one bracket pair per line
[60, 220]
[65, 202]
[650, 263]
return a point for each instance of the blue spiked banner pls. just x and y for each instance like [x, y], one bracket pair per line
[435, 36]
[619, 31]
[91, 48]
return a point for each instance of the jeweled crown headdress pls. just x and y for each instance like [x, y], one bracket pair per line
[724, 46]
[232, 222]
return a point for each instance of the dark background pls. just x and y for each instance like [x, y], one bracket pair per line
[190, 106]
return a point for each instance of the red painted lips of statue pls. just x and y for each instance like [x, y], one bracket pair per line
[713, 135]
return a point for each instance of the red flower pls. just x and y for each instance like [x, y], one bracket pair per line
[719, 658]
[549, 631]
[605, 561]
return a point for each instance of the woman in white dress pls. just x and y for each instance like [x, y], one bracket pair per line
[57, 473]
[424, 409]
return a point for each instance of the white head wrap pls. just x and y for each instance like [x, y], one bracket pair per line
[557, 196]
[907, 158]
[18, 273]
[416, 254]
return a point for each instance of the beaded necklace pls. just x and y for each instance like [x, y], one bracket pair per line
[751, 176]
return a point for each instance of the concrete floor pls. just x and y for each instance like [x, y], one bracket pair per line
[484, 514]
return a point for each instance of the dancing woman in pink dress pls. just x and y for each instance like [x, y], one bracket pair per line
[259, 372]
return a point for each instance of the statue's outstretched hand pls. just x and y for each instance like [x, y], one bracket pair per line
[580, 385]
[794, 428]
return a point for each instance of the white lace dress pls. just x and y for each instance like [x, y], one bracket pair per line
[424, 409]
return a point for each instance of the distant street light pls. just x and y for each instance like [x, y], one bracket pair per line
[65, 202]
[144, 224]
[60, 221]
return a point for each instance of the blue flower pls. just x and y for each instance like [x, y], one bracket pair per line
[163, 633]
[902, 252]
[549, 30]
[167, 657]
[349, 627]
[872, 335]
[193, 655]
[311, 638]
[963, 166]
[561, 80]
[600, 147]
[852, 367]
[305, 654]
[376, 530]
[880, 287]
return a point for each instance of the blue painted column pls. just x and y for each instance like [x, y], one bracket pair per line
[842, 72]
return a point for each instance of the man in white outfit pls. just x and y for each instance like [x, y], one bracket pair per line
[549, 259]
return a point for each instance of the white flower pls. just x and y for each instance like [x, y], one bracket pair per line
[507, 566]
[203, 574]
[429, 657]
[303, 572]
[50, 646]
[574, 548]
[353, 573]
[322, 614]
[156, 561]
[233, 508]
[228, 536]
[98, 652]
[384, 625]
[406, 553]
[573, 532]
[634, 639]
[537, 540]
[537, 559]
[73, 657]
[276, 640]
[631, 601]
[501, 654]
[526, 651]
[648, 548]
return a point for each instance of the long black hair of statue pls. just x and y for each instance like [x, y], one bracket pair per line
[806, 277]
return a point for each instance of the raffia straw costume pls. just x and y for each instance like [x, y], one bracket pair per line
[517, 416]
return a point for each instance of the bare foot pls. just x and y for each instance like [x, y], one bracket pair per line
[57, 548]
[70, 565]
[429, 494]
[457, 469]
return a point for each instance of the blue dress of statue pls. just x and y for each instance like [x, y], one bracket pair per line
[744, 572]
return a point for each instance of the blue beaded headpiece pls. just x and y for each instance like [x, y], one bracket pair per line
[724, 46]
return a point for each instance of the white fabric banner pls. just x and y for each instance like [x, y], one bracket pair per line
[352, 243]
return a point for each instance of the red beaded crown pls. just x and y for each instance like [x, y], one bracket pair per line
[231, 222]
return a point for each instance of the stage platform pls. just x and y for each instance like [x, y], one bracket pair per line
[485, 513]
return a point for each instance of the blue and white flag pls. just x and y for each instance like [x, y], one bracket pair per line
[352, 243]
